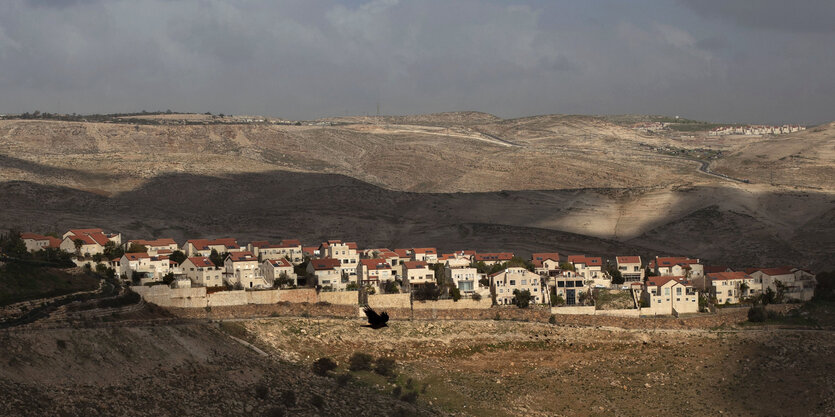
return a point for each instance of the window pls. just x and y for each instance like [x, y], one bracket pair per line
[666, 291]
[524, 282]
[578, 283]
[513, 282]
[678, 291]
[561, 284]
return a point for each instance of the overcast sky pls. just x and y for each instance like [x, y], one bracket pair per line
[725, 60]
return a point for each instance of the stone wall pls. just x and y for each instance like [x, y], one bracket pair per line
[301, 295]
[340, 297]
[462, 304]
[263, 297]
[390, 301]
[591, 311]
[266, 310]
[227, 298]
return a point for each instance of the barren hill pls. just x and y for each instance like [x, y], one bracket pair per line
[452, 180]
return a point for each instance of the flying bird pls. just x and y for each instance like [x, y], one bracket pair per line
[375, 321]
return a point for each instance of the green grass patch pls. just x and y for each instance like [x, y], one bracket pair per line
[21, 282]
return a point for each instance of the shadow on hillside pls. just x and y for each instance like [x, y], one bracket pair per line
[313, 207]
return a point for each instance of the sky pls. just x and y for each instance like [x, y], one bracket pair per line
[765, 61]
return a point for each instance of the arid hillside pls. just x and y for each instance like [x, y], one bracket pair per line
[452, 180]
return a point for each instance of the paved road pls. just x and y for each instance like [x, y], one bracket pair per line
[705, 168]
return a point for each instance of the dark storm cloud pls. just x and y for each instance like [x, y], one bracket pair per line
[314, 58]
[794, 16]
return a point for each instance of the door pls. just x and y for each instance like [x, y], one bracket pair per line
[569, 297]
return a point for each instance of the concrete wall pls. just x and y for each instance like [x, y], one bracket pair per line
[573, 310]
[227, 298]
[379, 301]
[340, 297]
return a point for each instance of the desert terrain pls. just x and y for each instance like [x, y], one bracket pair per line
[451, 180]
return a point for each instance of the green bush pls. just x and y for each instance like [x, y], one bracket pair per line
[261, 390]
[323, 365]
[360, 362]
[384, 366]
[455, 293]
[552, 319]
[343, 379]
[757, 314]
[397, 391]
[476, 297]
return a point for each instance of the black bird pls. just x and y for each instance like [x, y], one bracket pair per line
[375, 321]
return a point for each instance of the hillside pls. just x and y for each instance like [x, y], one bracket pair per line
[452, 180]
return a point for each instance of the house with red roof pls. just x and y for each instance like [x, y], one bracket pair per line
[272, 270]
[328, 273]
[204, 247]
[416, 273]
[346, 253]
[88, 241]
[289, 249]
[143, 267]
[374, 272]
[505, 282]
[726, 287]
[546, 263]
[677, 266]
[569, 285]
[202, 272]
[35, 242]
[796, 284]
[428, 255]
[591, 269]
[155, 246]
[242, 270]
[669, 295]
[493, 258]
[630, 268]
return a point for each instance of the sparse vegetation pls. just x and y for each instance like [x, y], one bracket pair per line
[384, 366]
[360, 362]
[323, 366]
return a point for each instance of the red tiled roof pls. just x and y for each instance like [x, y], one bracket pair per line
[499, 256]
[388, 254]
[242, 256]
[324, 263]
[403, 253]
[201, 262]
[375, 263]
[671, 261]
[415, 264]
[780, 270]
[722, 276]
[428, 251]
[351, 245]
[259, 243]
[203, 244]
[587, 260]
[135, 256]
[628, 259]
[34, 236]
[290, 242]
[280, 263]
[309, 250]
[541, 256]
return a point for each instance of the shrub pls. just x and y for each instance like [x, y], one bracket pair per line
[397, 391]
[410, 397]
[288, 398]
[384, 366]
[476, 297]
[360, 362]
[323, 365]
[455, 293]
[261, 390]
[522, 299]
[317, 401]
[409, 384]
[62, 344]
[552, 319]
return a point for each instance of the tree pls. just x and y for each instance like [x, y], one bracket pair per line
[476, 296]
[429, 291]
[391, 287]
[743, 288]
[455, 293]
[78, 244]
[12, 245]
[484, 282]
[168, 278]
[352, 286]
[520, 262]
[177, 256]
[522, 299]
[613, 273]
[567, 266]
[111, 251]
[217, 258]
[283, 280]
[825, 290]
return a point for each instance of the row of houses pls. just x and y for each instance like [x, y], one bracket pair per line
[663, 285]
[755, 130]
